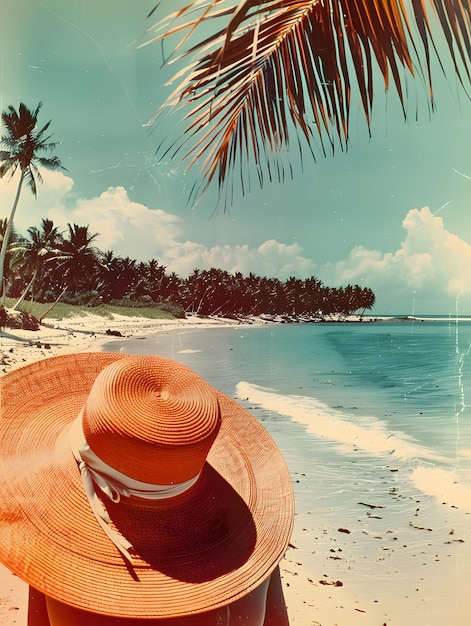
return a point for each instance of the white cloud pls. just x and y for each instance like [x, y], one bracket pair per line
[271, 258]
[54, 191]
[294, 263]
[431, 263]
[128, 228]
[132, 229]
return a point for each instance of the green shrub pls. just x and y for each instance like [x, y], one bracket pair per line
[82, 298]
[174, 309]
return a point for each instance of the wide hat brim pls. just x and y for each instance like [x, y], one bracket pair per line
[196, 552]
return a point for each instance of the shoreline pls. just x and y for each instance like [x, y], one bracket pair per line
[78, 334]
[330, 577]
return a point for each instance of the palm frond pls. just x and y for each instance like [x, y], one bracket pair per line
[8, 165]
[23, 141]
[286, 68]
[51, 163]
[30, 174]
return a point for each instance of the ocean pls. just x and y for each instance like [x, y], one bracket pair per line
[394, 390]
[374, 421]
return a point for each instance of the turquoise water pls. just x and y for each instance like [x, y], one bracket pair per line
[365, 414]
[390, 390]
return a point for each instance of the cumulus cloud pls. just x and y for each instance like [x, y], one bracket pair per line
[128, 228]
[135, 230]
[54, 191]
[271, 258]
[431, 263]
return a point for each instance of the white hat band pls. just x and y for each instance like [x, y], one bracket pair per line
[114, 484]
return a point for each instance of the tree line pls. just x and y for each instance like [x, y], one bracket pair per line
[48, 264]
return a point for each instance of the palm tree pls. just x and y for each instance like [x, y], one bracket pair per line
[149, 279]
[127, 277]
[13, 239]
[33, 254]
[23, 144]
[78, 261]
[107, 274]
[366, 300]
[279, 70]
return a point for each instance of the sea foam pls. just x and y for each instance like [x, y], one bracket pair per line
[445, 485]
[368, 434]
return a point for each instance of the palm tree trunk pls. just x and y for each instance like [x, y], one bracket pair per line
[8, 233]
[28, 287]
[54, 303]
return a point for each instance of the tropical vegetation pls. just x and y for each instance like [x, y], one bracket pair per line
[48, 266]
[22, 145]
[263, 80]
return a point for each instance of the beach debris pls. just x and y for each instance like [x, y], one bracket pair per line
[19, 320]
[113, 333]
[420, 527]
[344, 530]
[372, 506]
[334, 583]
[336, 557]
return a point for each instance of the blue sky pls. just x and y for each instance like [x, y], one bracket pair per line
[391, 214]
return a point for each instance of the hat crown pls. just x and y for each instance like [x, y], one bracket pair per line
[152, 419]
[202, 550]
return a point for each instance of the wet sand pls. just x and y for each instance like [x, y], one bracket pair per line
[375, 550]
[372, 552]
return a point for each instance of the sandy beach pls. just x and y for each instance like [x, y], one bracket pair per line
[20, 347]
[324, 568]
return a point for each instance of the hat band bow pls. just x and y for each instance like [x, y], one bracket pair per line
[95, 472]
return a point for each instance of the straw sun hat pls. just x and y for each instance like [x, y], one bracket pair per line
[130, 487]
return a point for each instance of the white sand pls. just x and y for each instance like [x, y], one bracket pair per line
[424, 589]
[19, 347]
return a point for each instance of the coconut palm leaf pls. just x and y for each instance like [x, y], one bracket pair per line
[23, 144]
[282, 71]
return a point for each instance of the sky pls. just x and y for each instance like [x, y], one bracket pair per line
[392, 214]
